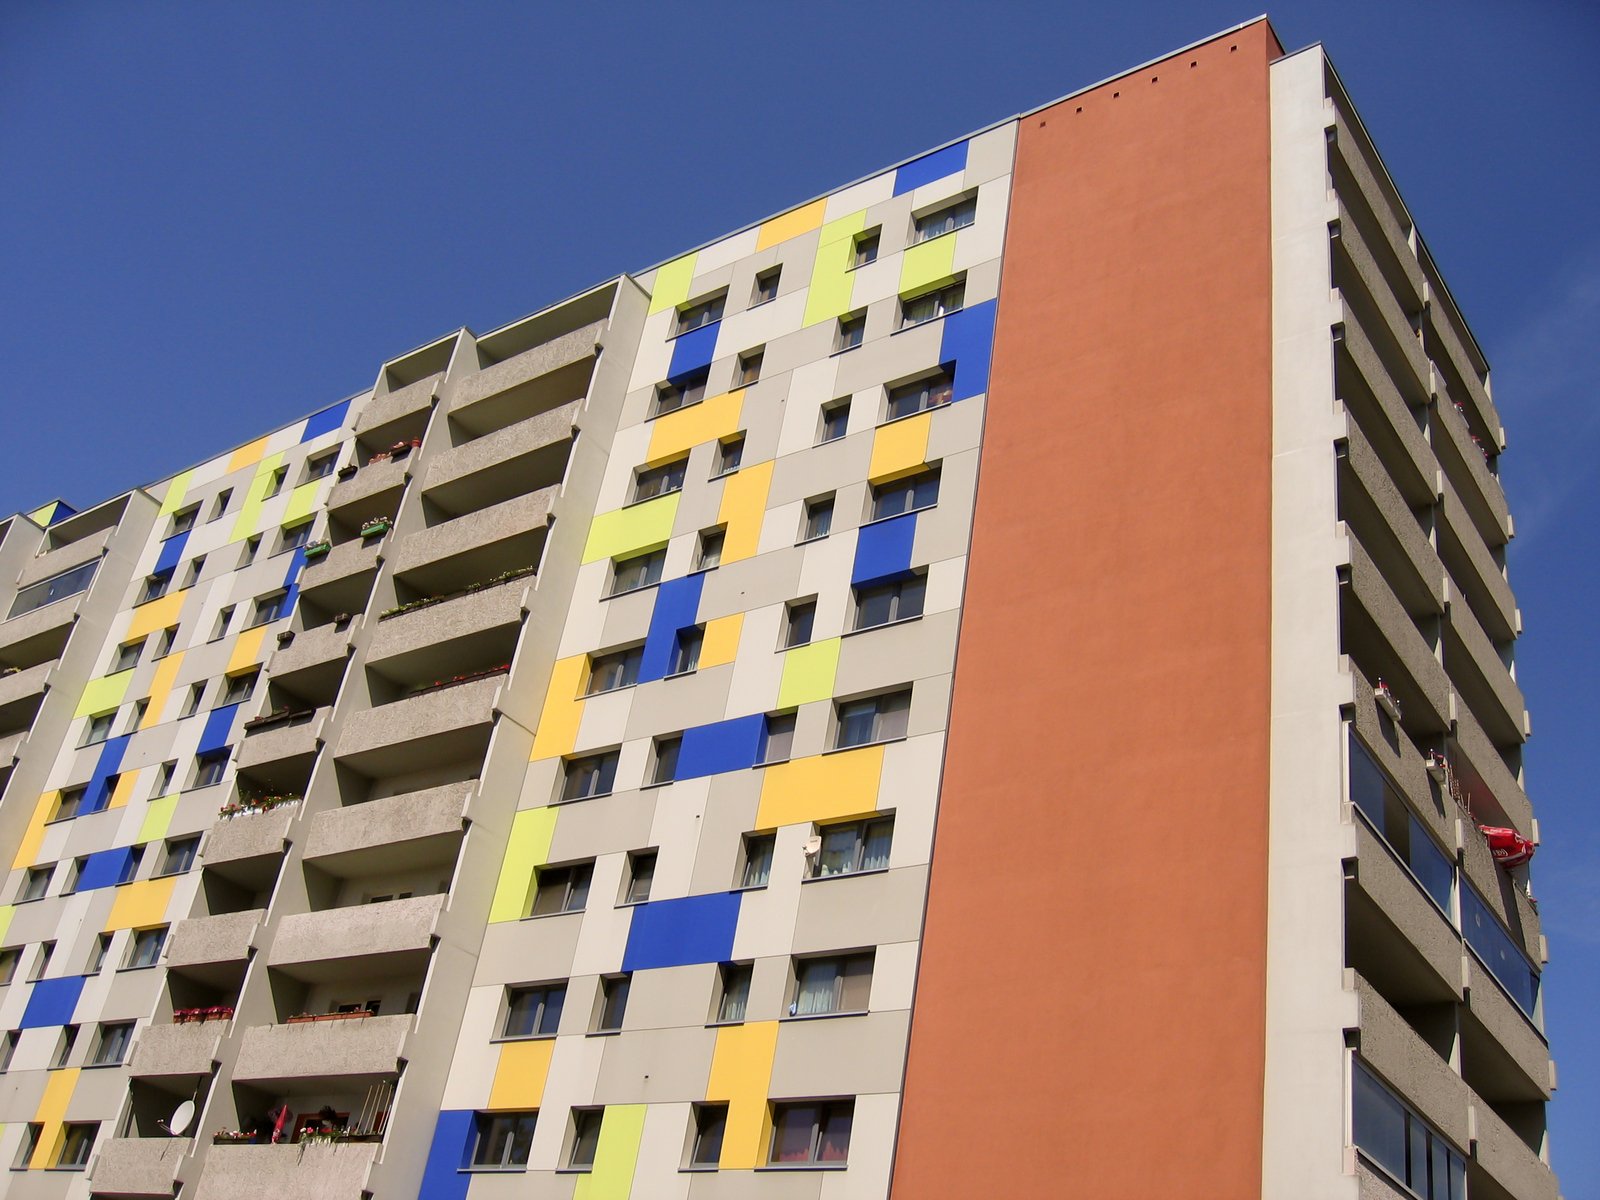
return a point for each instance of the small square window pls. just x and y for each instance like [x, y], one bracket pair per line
[64, 1046]
[613, 1003]
[886, 603]
[210, 767]
[77, 1144]
[866, 247]
[70, 803]
[240, 687]
[876, 719]
[766, 287]
[155, 586]
[127, 656]
[835, 421]
[8, 1049]
[920, 395]
[224, 619]
[664, 768]
[906, 495]
[834, 984]
[10, 959]
[801, 618]
[591, 776]
[191, 702]
[700, 313]
[97, 956]
[35, 883]
[294, 536]
[179, 855]
[709, 553]
[29, 1143]
[47, 951]
[136, 714]
[561, 889]
[852, 847]
[943, 220]
[749, 367]
[641, 571]
[252, 547]
[268, 608]
[756, 869]
[220, 506]
[710, 1123]
[167, 772]
[99, 728]
[777, 738]
[275, 484]
[321, 466]
[734, 996]
[930, 306]
[112, 1046]
[686, 653]
[168, 639]
[852, 329]
[815, 1131]
[502, 1140]
[729, 455]
[183, 520]
[192, 574]
[586, 1124]
[534, 1011]
[641, 874]
[130, 865]
[818, 519]
[74, 873]
[145, 949]
[619, 669]
[650, 482]
[681, 392]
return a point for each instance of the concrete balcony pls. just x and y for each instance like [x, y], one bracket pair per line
[1357, 275]
[322, 1050]
[1383, 638]
[342, 579]
[1387, 416]
[1405, 764]
[295, 736]
[311, 1171]
[1473, 568]
[1397, 938]
[11, 748]
[1467, 469]
[1357, 180]
[1447, 342]
[64, 558]
[1503, 1055]
[373, 491]
[1504, 895]
[426, 641]
[503, 464]
[249, 836]
[480, 545]
[392, 410]
[392, 834]
[1372, 1184]
[1482, 679]
[183, 1050]
[1412, 1067]
[1491, 786]
[138, 1166]
[446, 725]
[549, 374]
[1502, 1163]
[21, 694]
[1371, 504]
[41, 634]
[386, 937]
[314, 660]
[225, 938]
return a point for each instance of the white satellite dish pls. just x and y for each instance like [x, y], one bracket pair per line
[182, 1116]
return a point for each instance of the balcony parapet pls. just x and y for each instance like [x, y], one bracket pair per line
[312, 648]
[552, 356]
[64, 558]
[393, 820]
[451, 710]
[295, 735]
[1506, 1159]
[20, 689]
[247, 835]
[497, 523]
[302, 1171]
[186, 1049]
[513, 446]
[1410, 1065]
[450, 618]
[131, 1166]
[366, 1045]
[41, 621]
[396, 406]
[226, 937]
[377, 478]
[358, 931]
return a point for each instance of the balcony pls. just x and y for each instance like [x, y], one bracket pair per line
[537, 379]
[64, 558]
[187, 1050]
[423, 642]
[1396, 937]
[138, 1166]
[281, 743]
[240, 839]
[1386, 416]
[1371, 504]
[1503, 1165]
[1412, 1067]
[204, 941]
[1357, 180]
[1503, 1056]
[383, 938]
[503, 464]
[1447, 340]
[302, 1171]
[1482, 679]
[503, 537]
[1492, 789]
[373, 491]
[322, 1051]
[1382, 637]
[1505, 897]
[1360, 280]
[313, 662]
[1467, 469]
[396, 833]
[392, 413]
[342, 579]
[10, 749]
[21, 693]
[447, 724]
[41, 635]
[1473, 568]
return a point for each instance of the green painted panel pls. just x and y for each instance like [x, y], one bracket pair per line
[808, 673]
[832, 280]
[672, 283]
[177, 492]
[103, 694]
[615, 1157]
[928, 264]
[631, 530]
[157, 819]
[302, 502]
[41, 516]
[527, 847]
[248, 523]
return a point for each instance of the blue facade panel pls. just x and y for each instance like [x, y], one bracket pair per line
[98, 793]
[106, 868]
[677, 933]
[51, 1002]
[930, 167]
[694, 350]
[725, 746]
[219, 724]
[677, 602]
[325, 421]
[968, 344]
[883, 550]
[443, 1177]
[171, 553]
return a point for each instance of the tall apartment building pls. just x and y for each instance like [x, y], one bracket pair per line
[988, 682]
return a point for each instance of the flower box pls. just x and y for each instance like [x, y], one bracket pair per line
[318, 549]
[374, 529]
[348, 471]
[1386, 700]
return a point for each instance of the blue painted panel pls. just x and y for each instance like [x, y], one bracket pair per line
[171, 553]
[968, 342]
[693, 350]
[51, 1002]
[63, 510]
[325, 421]
[104, 868]
[296, 565]
[883, 549]
[443, 1177]
[219, 724]
[676, 933]
[677, 602]
[98, 793]
[725, 746]
[930, 167]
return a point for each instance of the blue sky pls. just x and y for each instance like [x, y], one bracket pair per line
[220, 217]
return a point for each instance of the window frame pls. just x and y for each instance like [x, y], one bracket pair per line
[865, 247]
[631, 879]
[138, 958]
[730, 456]
[686, 648]
[62, 586]
[759, 295]
[705, 1155]
[650, 558]
[174, 846]
[826, 1109]
[128, 655]
[183, 520]
[588, 1122]
[98, 729]
[882, 703]
[77, 1145]
[907, 484]
[752, 358]
[863, 594]
[484, 1125]
[809, 512]
[848, 983]
[703, 311]
[923, 224]
[604, 765]
[672, 473]
[612, 1010]
[850, 323]
[41, 874]
[716, 536]
[862, 830]
[204, 764]
[247, 680]
[664, 752]
[628, 660]
[104, 1033]
[754, 848]
[545, 879]
[946, 300]
[543, 1026]
[673, 395]
[834, 410]
[933, 391]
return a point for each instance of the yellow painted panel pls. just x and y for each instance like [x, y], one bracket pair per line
[563, 708]
[7, 911]
[161, 688]
[302, 502]
[41, 516]
[632, 530]
[123, 792]
[792, 224]
[672, 283]
[158, 614]
[744, 503]
[246, 650]
[679, 431]
[248, 522]
[527, 848]
[102, 695]
[248, 454]
[520, 1074]
[177, 492]
[899, 448]
[140, 904]
[741, 1069]
[615, 1155]
[51, 1113]
[832, 280]
[28, 851]
[927, 264]
[721, 640]
[157, 818]
[808, 673]
[825, 787]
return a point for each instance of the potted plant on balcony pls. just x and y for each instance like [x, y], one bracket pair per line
[1386, 701]
[315, 550]
[348, 471]
[375, 528]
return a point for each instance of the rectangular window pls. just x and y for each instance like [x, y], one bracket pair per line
[650, 482]
[30, 1142]
[99, 728]
[852, 847]
[47, 951]
[887, 603]
[179, 855]
[34, 884]
[127, 656]
[136, 714]
[930, 306]
[818, 519]
[191, 702]
[835, 421]
[534, 1011]
[77, 1144]
[267, 608]
[561, 889]
[240, 687]
[8, 1049]
[734, 995]
[709, 554]
[839, 983]
[57, 587]
[293, 537]
[252, 547]
[641, 874]
[155, 586]
[590, 776]
[70, 803]
[920, 395]
[10, 959]
[766, 287]
[183, 521]
[275, 484]
[502, 1140]
[910, 494]
[710, 1122]
[613, 1003]
[321, 466]
[749, 367]
[64, 1045]
[224, 619]
[220, 505]
[665, 767]
[875, 719]
[586, 1124]
[192, 573]
[97, 957]
[1406, 1147]
[112, 1046]
[945, 220]
[700, 313]
[757, 868]
[209, 768]
[619, 669]
[812, 1132]
[168, 638]
[777, 738]
[686, 654]
[801, 618]
[681, 392]
[145, 949]
[165, 774]
[865, 248]
[130, 865]
[730, 453]
[852, 329]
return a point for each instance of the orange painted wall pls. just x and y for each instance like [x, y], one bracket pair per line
[1090, 1010]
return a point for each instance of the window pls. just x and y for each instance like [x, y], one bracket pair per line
[701, 313]
[589, 776]
[192, 574]
[818, 519]
[1405, 1146]
[641, 873]
[561, 889]
[155, 586]
[631, 574]
[224, 619]
[179, 856]
[613, 1003]
[650, 482]
[866, 247]
[757, 868]
[686, 654]
[34, 884]
[240, 686]
[681, 392]
[729, 454]
[97, 957]
[293, 537]
[183, 521]
[734, 992]
[534, 1011]
[801, 617]
[70, 803]
[835, 421]
[887, 603]
[191, 702]
[30, 1142]
[836, 984]
[47, 951]
[112, 1047]
[252, 547]
[930, 306]
[209, 768]
[749, 367]
[852, 329]
[875, 719]
[585, 1137]
[811, 1132]
[905, 495]
[64, 1045]
[136, 714]
[710, 1121]
[167, 772]
[165, 642]
[267, 608]
[665, 767]
[321, 466]
[766, 286]
[709, 553]
[128, 656]
[221, 504]
[76, 1145]
[619, 669]
[502, 1140]
[777, 738]
[8, 1049]
[945, 220]
[920, 394]
[145, 949]
[854, 846]
[74, 872]
[130, 865]
[275, 484]
[57, 587]
[10, 959]
[99, 728]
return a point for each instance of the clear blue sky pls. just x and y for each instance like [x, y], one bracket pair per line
[219, 217]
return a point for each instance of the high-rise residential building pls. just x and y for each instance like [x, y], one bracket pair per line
[993, 681]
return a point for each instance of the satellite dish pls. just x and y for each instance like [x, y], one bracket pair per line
[182, 1117]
